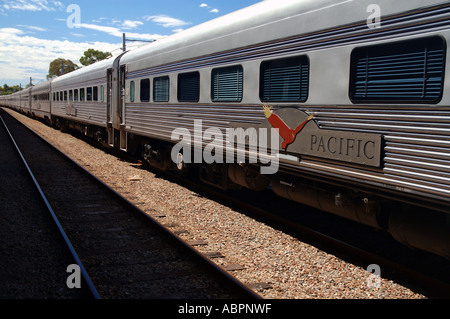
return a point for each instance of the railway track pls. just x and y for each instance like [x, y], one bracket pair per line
[33, 258]
[122, 252]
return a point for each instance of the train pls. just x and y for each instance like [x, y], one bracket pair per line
[340, 105]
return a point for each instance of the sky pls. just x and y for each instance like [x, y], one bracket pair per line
[33, 33]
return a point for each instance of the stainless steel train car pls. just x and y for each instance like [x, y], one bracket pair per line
[10, 100]
[349, 98]
[40, 101]
[81, 99]
[20, 101]
[24, 103]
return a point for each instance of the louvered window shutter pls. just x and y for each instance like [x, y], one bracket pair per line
[161, 89]
[189, 87]
[409, 71]
[285, 80]
[227, 84]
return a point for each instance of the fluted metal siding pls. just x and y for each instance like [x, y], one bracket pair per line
[87, 112]
[417, 140]
[160, 120]
[417, 144]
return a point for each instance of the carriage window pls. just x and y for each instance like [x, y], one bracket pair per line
[102, 93]
[285, 80]
[408, 71]
[189, 87]
[132, 91]
[81, 94]
[65, 95]
[89, 94]
[145, 90]
[161, 89]
[226, 84]
[95, 93]
[70, 95]
[54, 96]
[75, 95]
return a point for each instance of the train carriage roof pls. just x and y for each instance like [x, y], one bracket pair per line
[91, 72]
[265, 21]
[41, 87]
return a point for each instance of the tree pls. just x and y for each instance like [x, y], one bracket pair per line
[91, 56]
[56, 65]
[6, 89]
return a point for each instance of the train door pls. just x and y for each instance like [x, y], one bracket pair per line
[109, 102]
[115, 105]
[121, 111]
[122, 92]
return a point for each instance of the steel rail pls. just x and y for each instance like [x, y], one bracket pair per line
[84, 273]
[246, 291]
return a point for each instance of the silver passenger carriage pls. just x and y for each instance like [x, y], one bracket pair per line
[19, 101]
[40, 101]
[23, 104]
[367, 79]
[12, 100]
[79, 99]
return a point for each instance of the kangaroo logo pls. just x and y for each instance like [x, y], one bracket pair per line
[288, 134]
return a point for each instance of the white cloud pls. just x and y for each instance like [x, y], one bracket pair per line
[166, 21]
[116, 32]
[58, 4]
[32, 27]
[116, 21]
[79, 35]
[11, 31]
[213, 10]
[32, 5]
[110, 30]
[99, 20]
[24, 56]
[131, 24]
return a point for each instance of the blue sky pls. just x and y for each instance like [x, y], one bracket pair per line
[35, 32]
